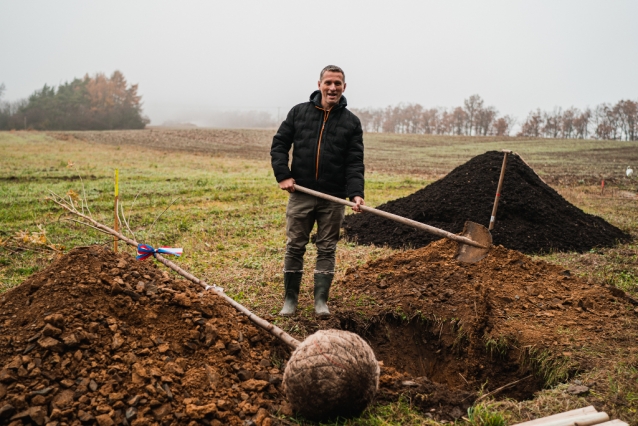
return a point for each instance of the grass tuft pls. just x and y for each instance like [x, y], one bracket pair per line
[400, 413]
[553, 369]
[497, 347]
[485, 415]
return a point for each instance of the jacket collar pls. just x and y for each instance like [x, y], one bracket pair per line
[315, 98]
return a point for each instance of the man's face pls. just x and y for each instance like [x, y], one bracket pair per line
[331, 87]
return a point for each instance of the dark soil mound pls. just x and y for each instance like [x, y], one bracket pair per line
[445, 327]
[532, 217]
[99, 337]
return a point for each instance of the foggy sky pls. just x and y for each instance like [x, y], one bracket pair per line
[193, 58]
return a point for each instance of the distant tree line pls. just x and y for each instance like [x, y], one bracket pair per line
[473, 118]
[90, 103]
[605, 121]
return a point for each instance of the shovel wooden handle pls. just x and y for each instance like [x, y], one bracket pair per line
[498, 190]
[396, 218]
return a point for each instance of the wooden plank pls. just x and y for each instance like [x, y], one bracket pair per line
[582, 420]
[577, 412]
[613, 423]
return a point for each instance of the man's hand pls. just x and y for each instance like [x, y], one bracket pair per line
[287, 185]
[358, 203]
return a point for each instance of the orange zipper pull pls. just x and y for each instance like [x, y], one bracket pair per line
[325, 118]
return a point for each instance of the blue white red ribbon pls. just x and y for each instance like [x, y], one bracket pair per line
[144, 251]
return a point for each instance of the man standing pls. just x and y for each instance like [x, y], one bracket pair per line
[327, 142]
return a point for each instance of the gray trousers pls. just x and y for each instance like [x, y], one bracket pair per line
[301, 214]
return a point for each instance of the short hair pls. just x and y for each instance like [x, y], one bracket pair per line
[332, 68]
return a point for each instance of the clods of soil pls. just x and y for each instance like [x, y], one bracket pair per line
[448, 329]
[100, 338]
[532, 217]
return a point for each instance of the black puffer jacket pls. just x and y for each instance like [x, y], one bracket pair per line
[328, 148]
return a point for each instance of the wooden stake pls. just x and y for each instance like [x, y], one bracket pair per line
[498, 190]
[117, 190]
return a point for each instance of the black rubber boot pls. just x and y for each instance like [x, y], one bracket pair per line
[322, 290]
[292, 282]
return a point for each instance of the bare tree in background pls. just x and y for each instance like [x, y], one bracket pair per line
[484, 119]
[365, 116]
[581, 124]
[377, 120]
[627, 112]
[459, 121]
[551, 126]
[567, 122]
[4, 109]
[446, 124]
[11, 116]
[472, 106]
[532, 126]
[502, 126]
[603, 125]
[430, 118]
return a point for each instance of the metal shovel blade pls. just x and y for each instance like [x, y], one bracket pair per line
[475, 232]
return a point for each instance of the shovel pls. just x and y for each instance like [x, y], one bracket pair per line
[474, 242]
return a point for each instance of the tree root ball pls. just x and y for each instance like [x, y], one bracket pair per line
[331, 373]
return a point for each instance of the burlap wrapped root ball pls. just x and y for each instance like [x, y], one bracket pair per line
[331, 373]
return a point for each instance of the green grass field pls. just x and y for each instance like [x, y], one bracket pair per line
[217, 198]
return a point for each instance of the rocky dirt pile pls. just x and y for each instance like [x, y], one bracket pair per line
[532, 217]
[448, 329]
[100, 338]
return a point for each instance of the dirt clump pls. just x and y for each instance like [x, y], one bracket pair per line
[532, 217]
[100, 338]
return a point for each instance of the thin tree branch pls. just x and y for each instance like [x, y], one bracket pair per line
[85, 200]
[262, 323]
[160, 215]
[86, 224]
[123, 220]
[495, 391]
[130, 212]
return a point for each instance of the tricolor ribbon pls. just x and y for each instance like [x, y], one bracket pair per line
[144, 251]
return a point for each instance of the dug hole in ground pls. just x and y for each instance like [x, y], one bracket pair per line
[446, 330]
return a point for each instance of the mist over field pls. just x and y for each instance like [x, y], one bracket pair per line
[246, 63]
[508, 127]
